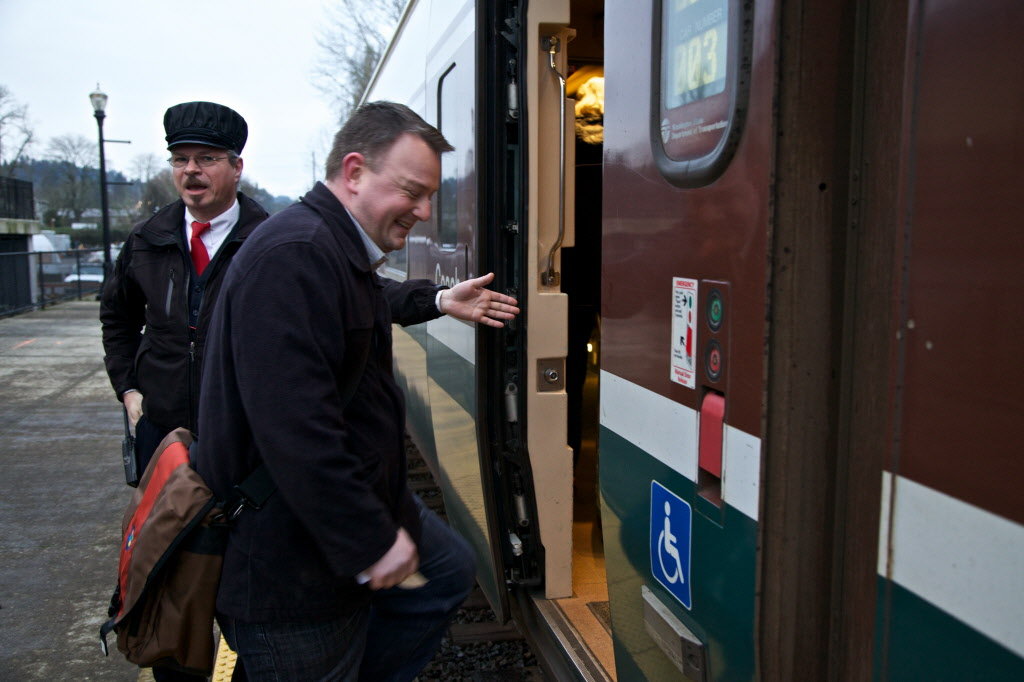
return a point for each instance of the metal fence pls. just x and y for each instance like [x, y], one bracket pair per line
[35, 279]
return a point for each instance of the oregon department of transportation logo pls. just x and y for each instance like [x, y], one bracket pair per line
[671, 523]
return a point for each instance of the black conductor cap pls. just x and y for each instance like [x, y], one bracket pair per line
[207, 123]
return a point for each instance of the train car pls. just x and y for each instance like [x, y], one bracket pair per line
[756, 418]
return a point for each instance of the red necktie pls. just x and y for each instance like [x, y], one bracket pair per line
[200, 257]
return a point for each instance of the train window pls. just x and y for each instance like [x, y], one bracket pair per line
[447, 195]
[399, 260]
[699, 88]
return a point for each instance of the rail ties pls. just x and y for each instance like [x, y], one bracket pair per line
[477, 648]
[421, 481]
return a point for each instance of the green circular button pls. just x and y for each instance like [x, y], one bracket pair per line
[716, 311]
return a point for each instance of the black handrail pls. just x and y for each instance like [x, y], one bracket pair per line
[30, 280]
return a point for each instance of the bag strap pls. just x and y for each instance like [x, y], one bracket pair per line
[253, 492]
[127, 430]
[257, 487]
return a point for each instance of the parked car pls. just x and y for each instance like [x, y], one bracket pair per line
[88, 272]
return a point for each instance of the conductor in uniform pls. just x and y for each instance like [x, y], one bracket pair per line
[157, 303]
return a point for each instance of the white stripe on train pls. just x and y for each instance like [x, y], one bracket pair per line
[667, 431]
[964, 560]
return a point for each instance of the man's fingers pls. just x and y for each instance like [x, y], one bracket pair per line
[133, 404]
[502, 309]
[501, 314]
[484, 280]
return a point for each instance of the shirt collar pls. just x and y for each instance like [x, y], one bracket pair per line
[374, 253]
[227, 219]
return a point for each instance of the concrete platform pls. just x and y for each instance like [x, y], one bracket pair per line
[62, 494]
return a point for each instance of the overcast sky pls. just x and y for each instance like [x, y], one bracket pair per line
[255, 56]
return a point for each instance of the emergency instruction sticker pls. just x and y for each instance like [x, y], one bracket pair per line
[684, 331]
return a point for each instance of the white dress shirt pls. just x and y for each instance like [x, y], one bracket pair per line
[220, 228]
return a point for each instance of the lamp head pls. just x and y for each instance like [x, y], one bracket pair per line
[99, 100]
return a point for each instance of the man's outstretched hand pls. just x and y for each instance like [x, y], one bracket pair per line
[469, 300]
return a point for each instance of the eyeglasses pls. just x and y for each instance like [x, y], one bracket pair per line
[203, 160]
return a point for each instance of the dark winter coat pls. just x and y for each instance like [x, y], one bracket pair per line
[150, 286]
[299, 305]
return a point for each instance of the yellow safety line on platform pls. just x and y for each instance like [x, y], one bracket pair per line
[224, 668]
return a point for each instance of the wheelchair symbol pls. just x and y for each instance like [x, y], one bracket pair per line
[671, 536]
[667, 545]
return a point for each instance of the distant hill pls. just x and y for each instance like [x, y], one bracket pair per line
[66, 194]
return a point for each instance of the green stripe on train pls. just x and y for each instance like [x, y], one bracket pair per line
[452, 372]
[926, 643]
[452, 404]
[723, 566]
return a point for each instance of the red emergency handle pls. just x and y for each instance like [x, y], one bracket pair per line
[712, 426]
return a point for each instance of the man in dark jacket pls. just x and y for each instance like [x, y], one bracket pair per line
[169, 271]
[299, 379]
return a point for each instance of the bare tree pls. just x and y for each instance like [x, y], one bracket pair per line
[77, 186]
[76, 150]
[157, 191]
[352, 42]
[16, 134]
[145, 166]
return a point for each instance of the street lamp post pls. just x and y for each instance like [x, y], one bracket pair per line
[99, 105]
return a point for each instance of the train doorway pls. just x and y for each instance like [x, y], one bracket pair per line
[587, 609]
[547, 113]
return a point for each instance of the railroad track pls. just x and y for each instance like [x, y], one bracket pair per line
[477, 647]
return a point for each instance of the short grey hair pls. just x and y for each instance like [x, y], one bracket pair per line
[373, 128]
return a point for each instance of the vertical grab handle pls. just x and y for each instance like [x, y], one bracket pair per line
[550, 277]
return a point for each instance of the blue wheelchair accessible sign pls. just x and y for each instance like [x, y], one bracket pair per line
[670, 542]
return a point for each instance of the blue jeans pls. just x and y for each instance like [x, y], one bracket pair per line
[391, 640]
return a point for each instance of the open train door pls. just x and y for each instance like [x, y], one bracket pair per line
[458, 397]
[498, 415]
[432, 66]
